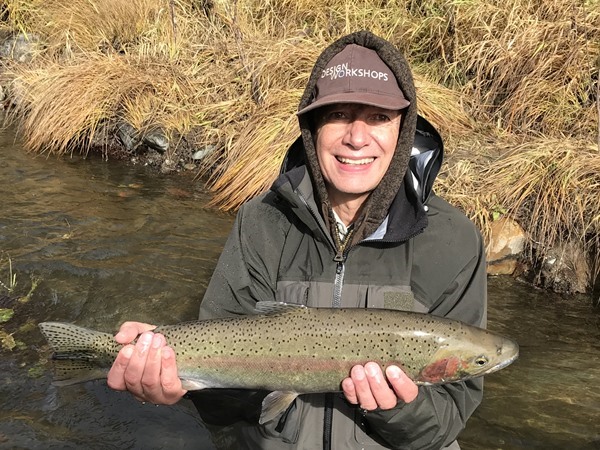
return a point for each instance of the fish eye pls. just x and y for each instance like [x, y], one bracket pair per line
[481, 361]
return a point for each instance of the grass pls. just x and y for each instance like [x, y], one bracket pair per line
[513, 86]
[11, 277]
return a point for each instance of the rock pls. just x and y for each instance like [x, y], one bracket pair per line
[565, 269]
[156, 140]
[132, 139]
[20, 47]
[168, 165]
[127, 134]
[204, 152]
[506, 244]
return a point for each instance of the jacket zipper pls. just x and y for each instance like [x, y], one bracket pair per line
[338, 281]
[328, 421]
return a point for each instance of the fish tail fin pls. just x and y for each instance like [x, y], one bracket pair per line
[80, 354]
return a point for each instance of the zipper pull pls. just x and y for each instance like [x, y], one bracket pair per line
[339, 258]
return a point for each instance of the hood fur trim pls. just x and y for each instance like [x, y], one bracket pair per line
[376, 208]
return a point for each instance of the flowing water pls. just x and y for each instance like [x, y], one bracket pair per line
[103, 242]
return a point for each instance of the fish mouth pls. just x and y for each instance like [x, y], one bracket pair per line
[502, 364]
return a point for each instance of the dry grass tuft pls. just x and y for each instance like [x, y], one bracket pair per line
[257, 154]
[64, 108]
[551, 186]
[529, 66]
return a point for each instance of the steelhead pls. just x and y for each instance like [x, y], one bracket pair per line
[292, 350]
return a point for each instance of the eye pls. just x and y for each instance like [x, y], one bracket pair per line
[481, 361]
[382, 117]
[335, 115]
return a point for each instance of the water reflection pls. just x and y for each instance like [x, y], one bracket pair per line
[111, 242]
[549, 398]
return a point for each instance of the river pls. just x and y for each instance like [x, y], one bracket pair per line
[104, 242]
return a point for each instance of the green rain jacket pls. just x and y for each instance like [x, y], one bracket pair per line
[424, 255]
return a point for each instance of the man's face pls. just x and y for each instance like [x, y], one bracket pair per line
[355, 144]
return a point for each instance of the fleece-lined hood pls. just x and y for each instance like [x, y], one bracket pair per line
[378, 204]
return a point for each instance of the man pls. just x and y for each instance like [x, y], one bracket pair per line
[351, 222]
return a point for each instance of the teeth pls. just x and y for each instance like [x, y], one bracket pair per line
[356, 161]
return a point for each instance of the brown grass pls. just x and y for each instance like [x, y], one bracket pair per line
[550, 186]
[512, 85]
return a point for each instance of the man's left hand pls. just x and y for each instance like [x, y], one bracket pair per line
[369, 388]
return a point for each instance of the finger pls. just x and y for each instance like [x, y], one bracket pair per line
[131, 330]
[137, 364]
[150, 382]
[382, 393]
[116, 375]
[404, 387]
[363, 389]
[349, 391]
[169, 377]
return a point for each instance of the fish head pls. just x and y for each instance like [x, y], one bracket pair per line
[459, 361]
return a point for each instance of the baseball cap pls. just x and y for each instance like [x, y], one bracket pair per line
[357, 75]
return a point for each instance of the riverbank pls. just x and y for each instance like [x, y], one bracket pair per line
[212, 87]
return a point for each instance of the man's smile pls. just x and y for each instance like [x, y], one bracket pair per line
[355, 161]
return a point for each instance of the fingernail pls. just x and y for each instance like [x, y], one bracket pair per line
[371, 370]
[127, 351]
[157, 341]
[358, 373]
[144, 342]
[393, 372]
[167, 353]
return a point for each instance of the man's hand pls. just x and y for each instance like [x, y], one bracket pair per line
[147, 369]
[368, 387]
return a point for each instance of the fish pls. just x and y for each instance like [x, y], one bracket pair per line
[292, 350]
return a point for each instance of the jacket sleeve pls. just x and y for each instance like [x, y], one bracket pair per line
[247, 268]
[439, 413]
[245, 274]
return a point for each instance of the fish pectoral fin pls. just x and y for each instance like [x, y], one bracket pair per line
[276, 403]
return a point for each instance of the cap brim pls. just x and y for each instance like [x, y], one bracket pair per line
[366, 98]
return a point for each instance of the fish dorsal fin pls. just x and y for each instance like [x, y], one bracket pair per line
[276, 403]
[276, 307]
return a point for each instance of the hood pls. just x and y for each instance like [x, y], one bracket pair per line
[378, 204]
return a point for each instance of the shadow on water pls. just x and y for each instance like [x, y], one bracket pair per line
[110, 242]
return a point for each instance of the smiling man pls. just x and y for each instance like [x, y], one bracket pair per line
[352, 221]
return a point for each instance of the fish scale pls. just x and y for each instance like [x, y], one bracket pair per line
[293, 349]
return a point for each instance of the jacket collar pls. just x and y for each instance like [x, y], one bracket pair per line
[406, 217]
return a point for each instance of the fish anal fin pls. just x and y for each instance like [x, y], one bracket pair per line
[276, 403]
[193, 385]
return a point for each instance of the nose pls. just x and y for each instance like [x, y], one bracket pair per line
[357, 134]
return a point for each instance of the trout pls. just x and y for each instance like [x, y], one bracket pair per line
[293, 349]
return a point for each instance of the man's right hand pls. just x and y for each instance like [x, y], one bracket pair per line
[147, 368]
